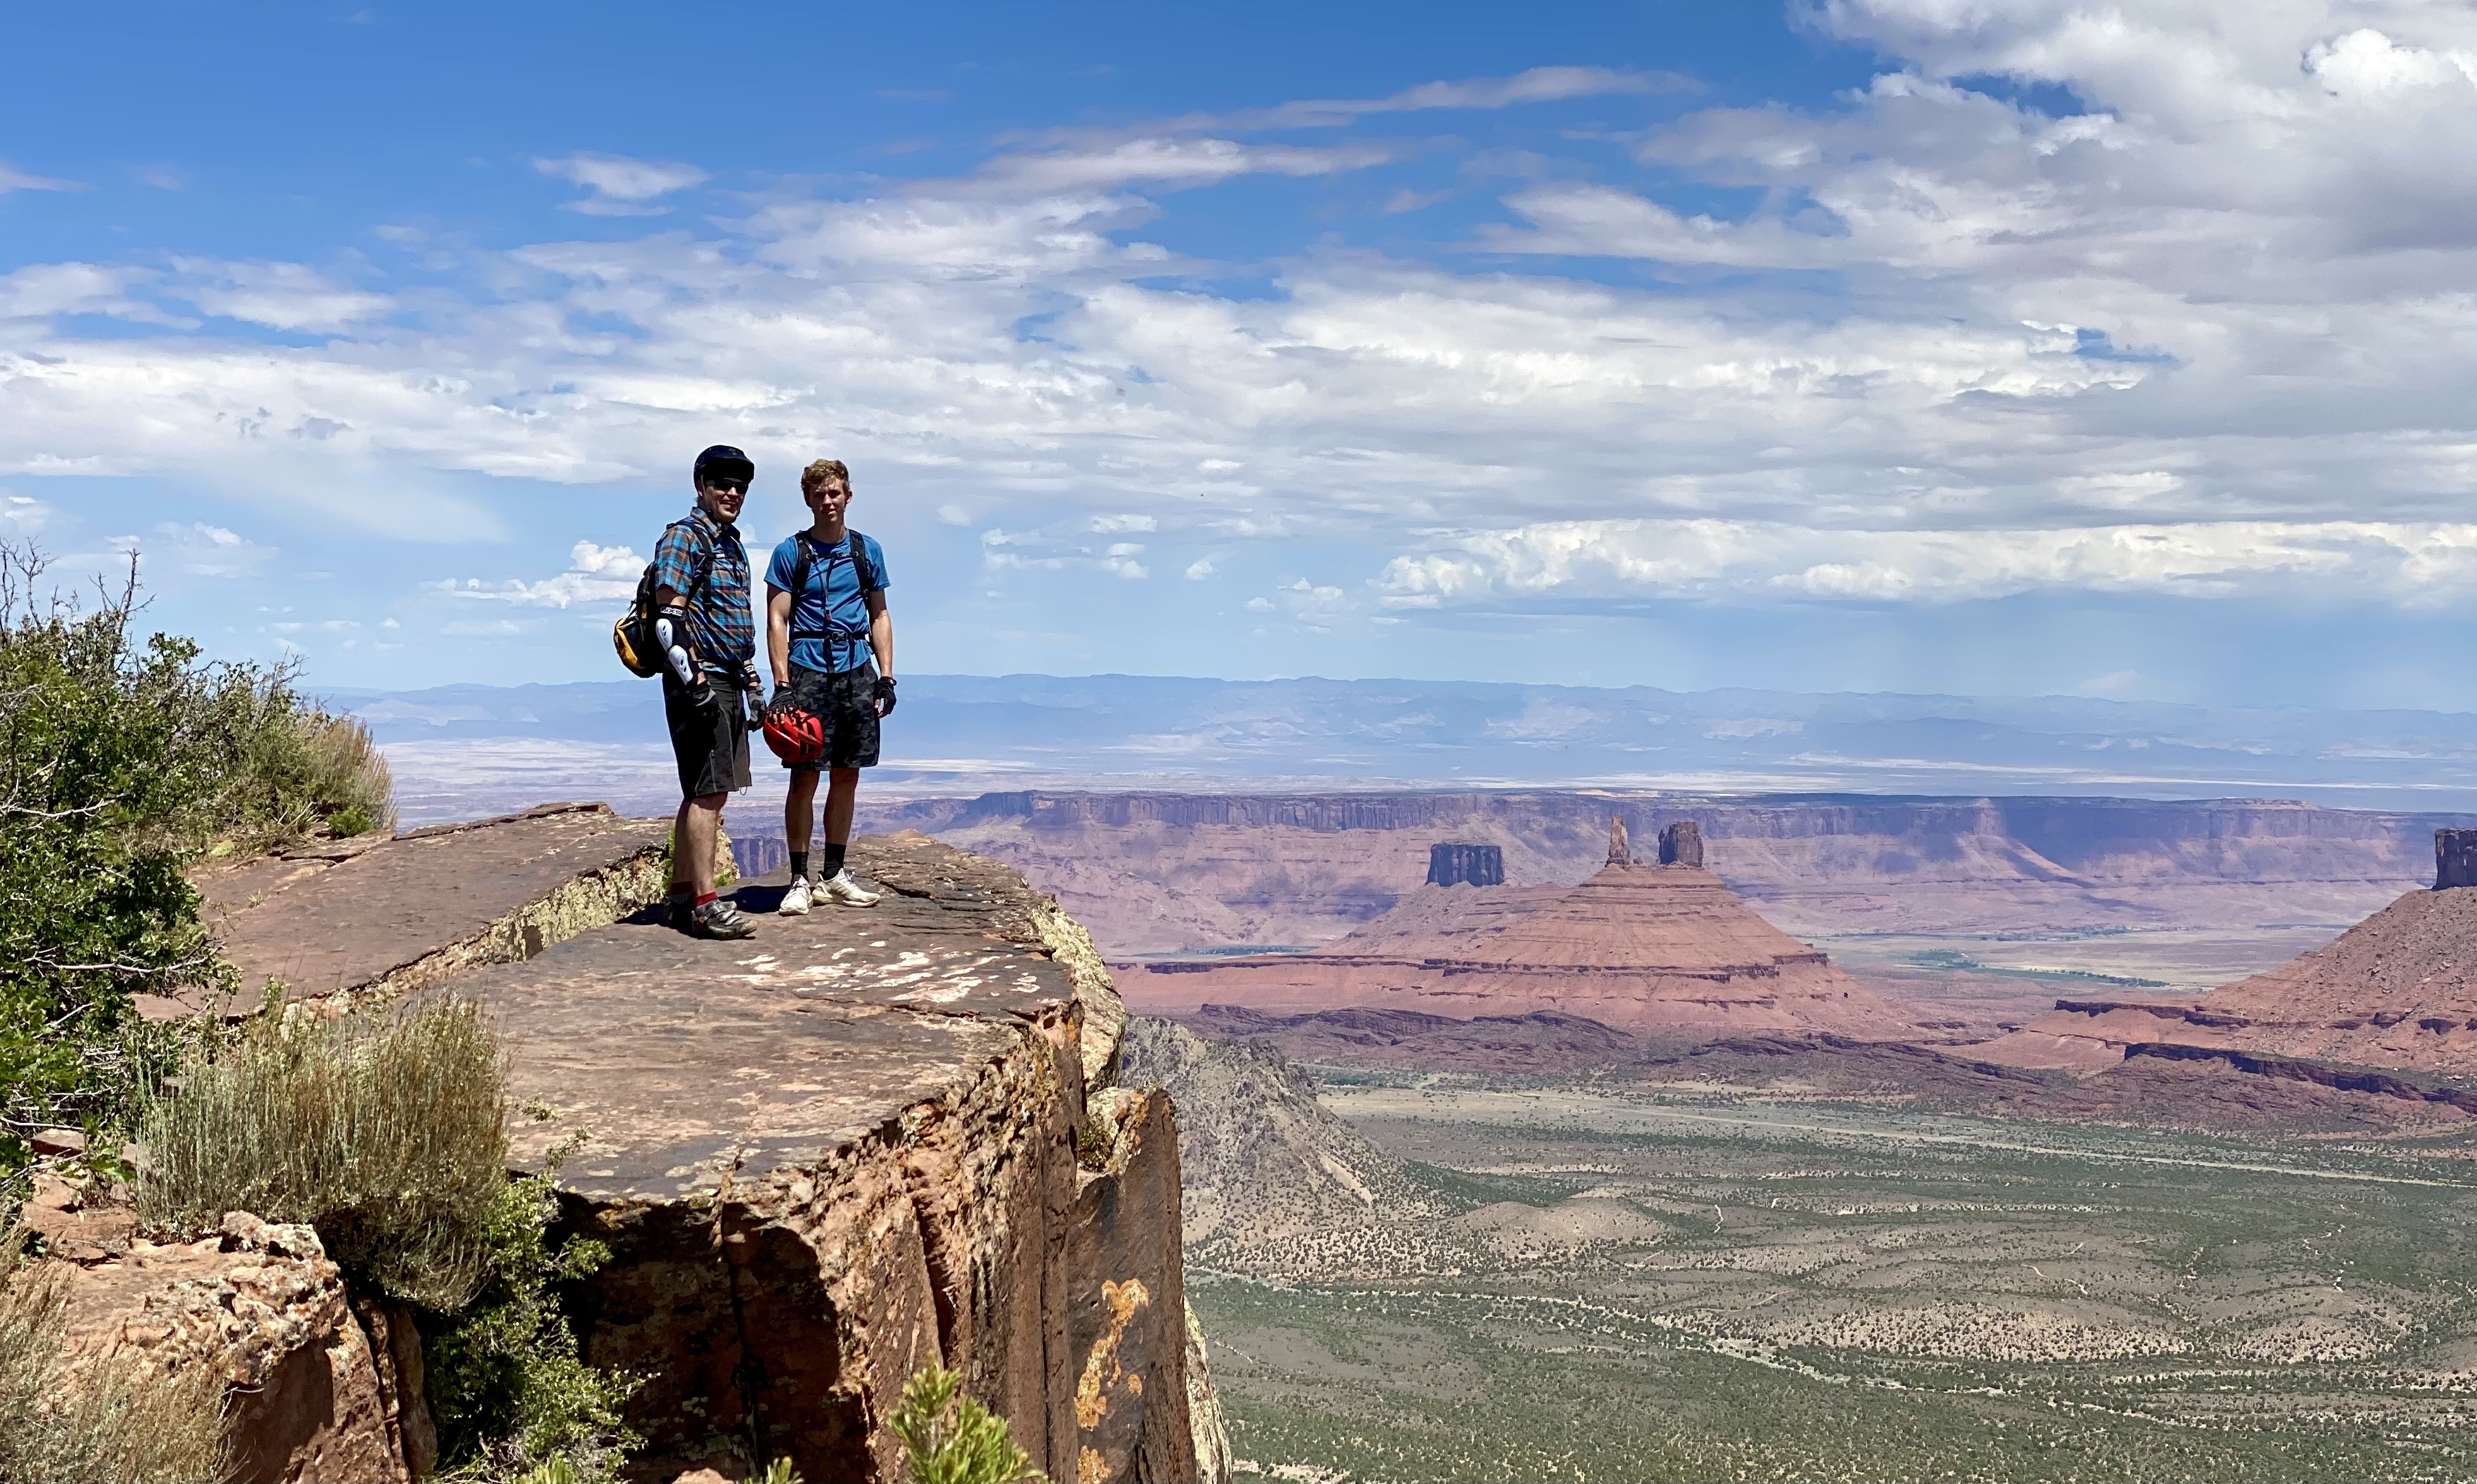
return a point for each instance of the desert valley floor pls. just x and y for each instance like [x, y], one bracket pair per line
[1627, 1282]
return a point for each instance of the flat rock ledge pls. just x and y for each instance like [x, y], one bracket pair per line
[852, 1144]
[393, 915]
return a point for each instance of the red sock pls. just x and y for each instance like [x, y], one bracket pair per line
[707, 897]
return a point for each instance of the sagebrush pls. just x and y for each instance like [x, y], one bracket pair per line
[384, 1131]
[122, 762]
[112, 1419]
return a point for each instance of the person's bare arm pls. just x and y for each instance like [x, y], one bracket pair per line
[881, 632]
[778, 634]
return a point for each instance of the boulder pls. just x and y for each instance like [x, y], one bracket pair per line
[321, 1386]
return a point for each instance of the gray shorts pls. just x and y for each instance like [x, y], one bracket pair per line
[844, 703]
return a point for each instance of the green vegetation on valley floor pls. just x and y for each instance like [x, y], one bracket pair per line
[1615, 1283]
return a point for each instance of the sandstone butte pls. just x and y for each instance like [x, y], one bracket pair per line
[821, 1157]
[2396, 992]
[1649, 949]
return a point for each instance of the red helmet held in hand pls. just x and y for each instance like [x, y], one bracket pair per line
[794, 735]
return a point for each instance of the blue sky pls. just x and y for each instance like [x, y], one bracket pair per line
[2044, 348]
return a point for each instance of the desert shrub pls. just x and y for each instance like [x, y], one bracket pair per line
[387, 1132]
[114, 1420]
[120, 764]
[512, 1393]
[948, 1438]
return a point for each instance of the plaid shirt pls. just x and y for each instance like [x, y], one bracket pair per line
[722, 632]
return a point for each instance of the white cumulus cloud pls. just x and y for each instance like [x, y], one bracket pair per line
[595, 574]
[619, 185]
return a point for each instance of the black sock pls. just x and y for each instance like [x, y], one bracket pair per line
[830, 862]
[799, 863]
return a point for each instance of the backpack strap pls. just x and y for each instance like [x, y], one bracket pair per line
[863, 567]
[836, 633]
[705, 568]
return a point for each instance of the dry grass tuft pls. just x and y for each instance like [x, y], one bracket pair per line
[114, 1420]
[387, 1132]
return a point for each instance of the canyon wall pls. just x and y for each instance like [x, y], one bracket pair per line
[1158, 873]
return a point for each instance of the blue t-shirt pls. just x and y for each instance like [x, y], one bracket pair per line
[832, 605]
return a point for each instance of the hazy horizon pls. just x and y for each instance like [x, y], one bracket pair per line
[454, 748]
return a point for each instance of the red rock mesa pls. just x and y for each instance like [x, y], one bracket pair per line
[1651, 950]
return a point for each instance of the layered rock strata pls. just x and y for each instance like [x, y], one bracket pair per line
[822, 1157]
[1160, 873]
[1646, 948]
[831, 1152]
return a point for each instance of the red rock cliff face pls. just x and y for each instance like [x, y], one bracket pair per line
[822, 1157]
[832, 1152]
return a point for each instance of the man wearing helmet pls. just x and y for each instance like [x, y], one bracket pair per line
[710, 650]
[825, 620]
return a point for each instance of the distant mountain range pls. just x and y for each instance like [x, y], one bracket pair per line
[967, 733]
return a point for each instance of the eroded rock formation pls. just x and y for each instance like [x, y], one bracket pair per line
[1159, 873]
[1680, 843]
[321, 1384]
[2455, 859]
[1479, 866]
[2398, 990]
[1648, 949]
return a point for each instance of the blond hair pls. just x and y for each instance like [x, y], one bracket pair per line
[814, 478]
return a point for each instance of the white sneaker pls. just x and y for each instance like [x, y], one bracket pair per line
[795, 901]
[843, 891]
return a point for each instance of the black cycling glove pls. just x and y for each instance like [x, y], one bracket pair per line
[884, 695]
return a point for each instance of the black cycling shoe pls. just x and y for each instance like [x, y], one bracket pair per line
[678, 912]
[719, 918]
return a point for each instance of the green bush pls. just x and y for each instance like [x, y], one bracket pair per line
[113, 1421]
[510, 1392]
[122, 762]
[387, 1132]
[948, 1438]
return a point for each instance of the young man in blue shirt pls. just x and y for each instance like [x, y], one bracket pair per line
[823, 627]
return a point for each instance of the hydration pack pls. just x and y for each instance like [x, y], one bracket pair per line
[836, 634]
[632, 636]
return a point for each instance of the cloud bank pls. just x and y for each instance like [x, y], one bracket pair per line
[2206, 331]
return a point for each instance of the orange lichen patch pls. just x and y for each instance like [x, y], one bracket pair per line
[1101, 1367]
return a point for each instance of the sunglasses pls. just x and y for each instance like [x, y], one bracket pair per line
[734, 486]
